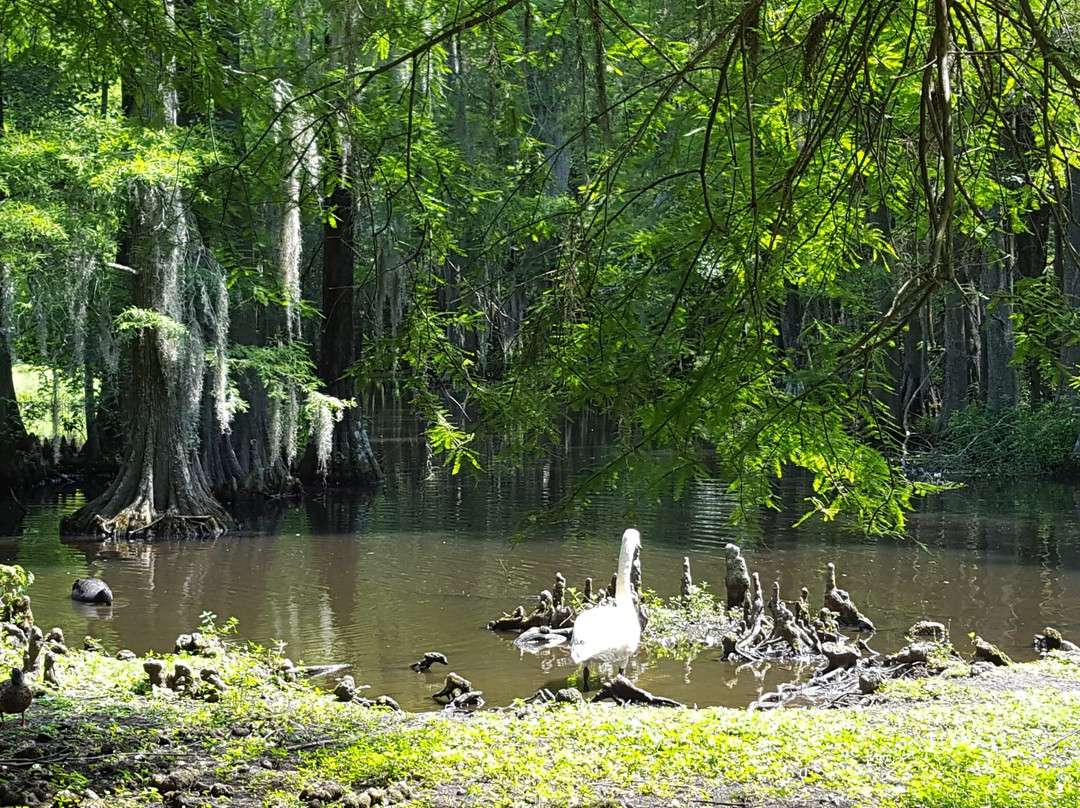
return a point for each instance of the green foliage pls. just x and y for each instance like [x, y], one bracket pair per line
[34, 389]
[710, 225]
[1016, 442]
[208, 625]
[1043, 320]
[131, 321]
[452, 443]
[277, 366]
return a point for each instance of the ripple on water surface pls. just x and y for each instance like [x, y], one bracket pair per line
[376, 582]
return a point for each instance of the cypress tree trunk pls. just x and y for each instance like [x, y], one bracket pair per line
[161, 489]
[1029, 246]
[351, 457]
[242, 459]
[1069, 261]
[12, 430]
[915, 386]
[961, 360]
[13, 437]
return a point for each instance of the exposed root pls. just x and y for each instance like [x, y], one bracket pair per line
[849, 677]
[132, 524]
[622, 691]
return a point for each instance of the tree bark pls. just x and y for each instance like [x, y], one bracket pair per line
[12, 430]
[1070, 281]
[1069, 262]
[1031, 256]
[352, 458]
[959, 320]
[1002, 389]
[13, 437]
[161, 489]
[915, 387]
[954, 390]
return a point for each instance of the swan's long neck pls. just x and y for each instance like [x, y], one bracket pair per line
[623, 594]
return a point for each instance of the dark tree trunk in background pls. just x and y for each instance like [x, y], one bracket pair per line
[1069, 260]
[243, 461]
[954, 388]
[790, 336]
[16, 465]
[600, 72]
[890, 388]
[915, 385]
[1029, 247]
[995, 283]
[351, 457]
[12, 429]
[960, 364]
[14, 442]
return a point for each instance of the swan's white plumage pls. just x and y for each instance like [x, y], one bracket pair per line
[611, 632]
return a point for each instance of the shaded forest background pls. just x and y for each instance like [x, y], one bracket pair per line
[837, 236]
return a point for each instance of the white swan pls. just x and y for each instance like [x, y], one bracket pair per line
[610, 632]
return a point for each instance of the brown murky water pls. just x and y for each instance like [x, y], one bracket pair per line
[375, 582]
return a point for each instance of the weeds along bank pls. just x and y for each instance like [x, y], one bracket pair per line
[234, 725]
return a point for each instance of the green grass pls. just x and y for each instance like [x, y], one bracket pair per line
[940, 743]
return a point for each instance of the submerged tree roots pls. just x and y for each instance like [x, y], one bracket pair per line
[750, 627]
[129, 524]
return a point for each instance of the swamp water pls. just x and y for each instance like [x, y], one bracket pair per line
[423, 565]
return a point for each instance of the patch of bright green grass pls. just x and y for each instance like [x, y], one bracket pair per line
[937, 743]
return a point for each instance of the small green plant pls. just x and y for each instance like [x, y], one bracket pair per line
[209, 627]
[681, 627]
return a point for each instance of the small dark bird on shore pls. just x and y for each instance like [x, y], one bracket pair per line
[15, 696]
[430, 658]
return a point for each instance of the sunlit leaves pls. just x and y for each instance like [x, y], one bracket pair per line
[452, 443]
[133, 320]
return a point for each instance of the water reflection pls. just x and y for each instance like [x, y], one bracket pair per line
[377, 580]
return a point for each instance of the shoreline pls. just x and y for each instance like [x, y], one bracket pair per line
[105, 736]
